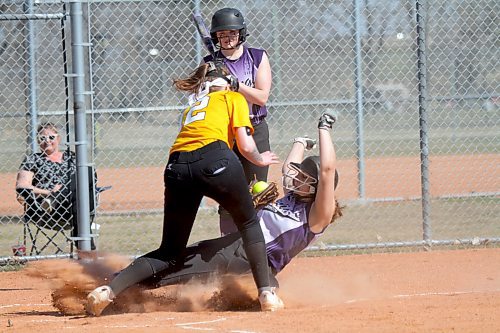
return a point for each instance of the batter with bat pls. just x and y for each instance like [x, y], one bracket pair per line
[251, 67]
[201, 163]
[289, 225]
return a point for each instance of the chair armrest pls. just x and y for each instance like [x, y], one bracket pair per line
[22, 195]
[100, 189]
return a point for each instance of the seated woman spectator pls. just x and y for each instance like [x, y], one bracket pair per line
[45, 182]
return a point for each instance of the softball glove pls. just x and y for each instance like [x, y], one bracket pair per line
[264, 197]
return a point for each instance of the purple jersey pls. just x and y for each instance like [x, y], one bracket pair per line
[245, 69]
[286, 230]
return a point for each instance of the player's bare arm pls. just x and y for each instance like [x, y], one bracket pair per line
[260, 94]
[248, 149]
[323, 207]
[296, 155]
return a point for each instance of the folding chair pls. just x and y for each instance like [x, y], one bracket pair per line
[42, 227]
[49, 228]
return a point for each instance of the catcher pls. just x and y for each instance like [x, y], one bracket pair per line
[289, 225]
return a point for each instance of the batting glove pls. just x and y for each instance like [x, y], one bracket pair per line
[307, 142]
[327, 119]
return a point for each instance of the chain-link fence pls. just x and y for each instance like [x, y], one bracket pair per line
[360, 58]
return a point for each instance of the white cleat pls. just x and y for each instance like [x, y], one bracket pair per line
[269, 301]
[98, 300]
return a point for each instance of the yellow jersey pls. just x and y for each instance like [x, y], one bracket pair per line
[214, 117]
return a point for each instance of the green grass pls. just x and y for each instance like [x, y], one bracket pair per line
[450, 219]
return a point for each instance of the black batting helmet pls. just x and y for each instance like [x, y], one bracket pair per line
[228, 19]
[310, 167]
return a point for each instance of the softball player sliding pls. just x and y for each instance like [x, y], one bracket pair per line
[289, 225]
[201, 163]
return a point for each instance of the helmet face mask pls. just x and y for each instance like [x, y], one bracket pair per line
[299, 182]
[302, 178]
[228, 19]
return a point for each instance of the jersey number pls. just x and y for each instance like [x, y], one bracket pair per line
[194, 113]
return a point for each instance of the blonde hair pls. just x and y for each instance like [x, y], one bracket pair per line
[338, 211]
[47, 125]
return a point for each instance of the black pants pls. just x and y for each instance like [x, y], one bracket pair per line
[252, 171]
[213, 171]
[220, 256]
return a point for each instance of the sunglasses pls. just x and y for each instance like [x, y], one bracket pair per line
[46, 138]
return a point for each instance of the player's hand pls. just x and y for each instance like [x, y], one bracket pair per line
[218, 62]
[327, 119]
[233, 82]
[307, 142]
[269, 158]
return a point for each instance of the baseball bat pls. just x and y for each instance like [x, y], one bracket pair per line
[204, 34]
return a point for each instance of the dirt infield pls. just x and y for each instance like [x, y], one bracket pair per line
[437, 291]
[141, 188]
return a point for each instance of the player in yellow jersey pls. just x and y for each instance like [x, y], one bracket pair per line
[214, 117]
[202, 163]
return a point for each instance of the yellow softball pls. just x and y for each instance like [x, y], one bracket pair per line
[259, 187]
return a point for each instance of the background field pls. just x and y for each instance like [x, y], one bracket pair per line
[396, 220]
[363, 59]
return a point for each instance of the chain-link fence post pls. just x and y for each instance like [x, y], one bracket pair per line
[31, 100]
[358, 72]
[421, 19]
[79, 108]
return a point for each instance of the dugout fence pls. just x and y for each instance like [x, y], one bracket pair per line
[415, 83]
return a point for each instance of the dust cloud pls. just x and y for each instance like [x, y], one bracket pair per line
[72, 280]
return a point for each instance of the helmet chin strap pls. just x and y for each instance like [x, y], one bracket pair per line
[231, 48]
